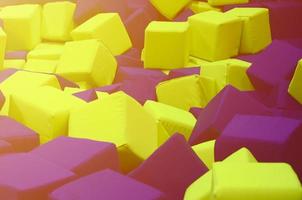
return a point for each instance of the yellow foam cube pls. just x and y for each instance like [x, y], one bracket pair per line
[169, 9]
[215, 35]
[250, 181]
[25, 81]
[109, 28]
[89, 61]
[43, 66]
[119, 119]
[50, 45]
[295, 87]
[256, 33]
[46, 51]
[22, 24]
[14, 63]
[186, 92]
[45, 110]
[228, 72]
[201, 189]
[72, 90]
[57, 20]
[173, 120]
[2, 46]
[200, 6]
[166, 45]
[226, 2]
[205, 152]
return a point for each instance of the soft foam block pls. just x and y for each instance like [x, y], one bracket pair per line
[22, 24]
[45, 110]
[228, 72]
[114, 119]
[26, 177]
[214, 35]
[100, 27]
[57, 20]
[3, 38]
[39, 65]
[169, 9]
[106, 184]
[174, 120]
[87, 61]
[186, 92]
[256, 33]
[270, 139]
[166, 45]
[13, 63]
[171, 168]
[19, 81]
[221, 110]
[226, 2]
[295, 86]
[261, 181]
[21, 138]
[205, 152]
[80, 156]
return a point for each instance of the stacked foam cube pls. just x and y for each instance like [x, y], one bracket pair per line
[150, 99]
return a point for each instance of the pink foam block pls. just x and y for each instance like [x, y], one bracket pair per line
[171, 168]
[25, 177]
[87, 9]
[270, 139]
[87, 95]
[19, 136]
[105, 184]
[79, 155]
[273, 65]
[223, 107]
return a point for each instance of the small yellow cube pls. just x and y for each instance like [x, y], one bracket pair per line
[89, 61]
[295, 87]
[39, 65]
[13, 63]
[166, 45]
[109, 28]
[214, 35]
[2, 47]
[22, 24]
[168, 8]
[57, 20]
[226, 2]
[256, 33]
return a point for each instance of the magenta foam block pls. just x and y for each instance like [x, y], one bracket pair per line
[87, 95]
[65, 83]
[80, 156]
[222, 108]
[183, 16]
[26, 177]
[273, 65]
[87, 9]
[106, 184]
[5, 74]
[5, 147]
[19, 136]
[171, 168]
[110, 88]
[16, 55]
[270, 139]
[195, 111]
[139, 83]
[176, 73]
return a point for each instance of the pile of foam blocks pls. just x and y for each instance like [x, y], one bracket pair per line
[151, 99]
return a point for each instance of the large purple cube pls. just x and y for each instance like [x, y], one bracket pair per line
[270, 139]
[107, 185]
[171, 168]
[80, 156]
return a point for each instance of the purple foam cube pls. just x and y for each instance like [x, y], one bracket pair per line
[171, 168]
[196, 111]
[16, 55]
[221, 110]
[5, 147]
[65, 83]
[176, 73]
[19, 136]
[26, 177]
[273, 65]
[110, 88]
[269, 138]
[105, 184]
[87, 95]
[80, 156]
[5, 74]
